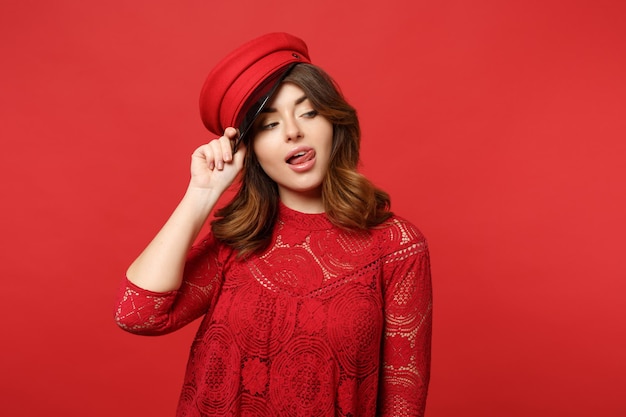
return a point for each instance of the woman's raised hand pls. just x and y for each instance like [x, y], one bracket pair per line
[213, 165]
[213, 168]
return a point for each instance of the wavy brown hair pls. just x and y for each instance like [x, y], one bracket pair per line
[350, 200]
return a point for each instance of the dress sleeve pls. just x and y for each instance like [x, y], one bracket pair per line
[405, 362]
[146, 312]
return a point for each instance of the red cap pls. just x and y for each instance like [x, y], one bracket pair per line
[238, 76]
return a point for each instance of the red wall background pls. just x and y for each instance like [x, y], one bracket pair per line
[497, 126]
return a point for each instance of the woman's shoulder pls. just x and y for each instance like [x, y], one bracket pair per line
[398, 233]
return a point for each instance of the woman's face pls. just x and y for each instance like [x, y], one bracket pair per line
[293, 145]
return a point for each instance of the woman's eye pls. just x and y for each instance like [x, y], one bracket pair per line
[311, 113]
[268, 126]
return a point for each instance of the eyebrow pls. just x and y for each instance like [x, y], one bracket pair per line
[272, 109]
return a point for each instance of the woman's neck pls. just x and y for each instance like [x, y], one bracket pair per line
[310, 203]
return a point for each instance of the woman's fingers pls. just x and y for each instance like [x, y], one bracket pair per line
[214, 164]
[222, 148]
[203, 157]
[231, 134]
[216, 152]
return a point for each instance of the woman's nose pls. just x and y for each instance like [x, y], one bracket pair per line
[292, 130]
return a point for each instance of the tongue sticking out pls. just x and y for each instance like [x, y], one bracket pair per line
[301, 157]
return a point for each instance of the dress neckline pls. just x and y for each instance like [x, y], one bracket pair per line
[299, 220]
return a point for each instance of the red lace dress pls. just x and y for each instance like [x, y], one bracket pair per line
[325, 322]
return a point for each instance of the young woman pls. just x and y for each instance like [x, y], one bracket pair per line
[315, 298]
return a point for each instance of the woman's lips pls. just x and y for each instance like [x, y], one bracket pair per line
[301, 159]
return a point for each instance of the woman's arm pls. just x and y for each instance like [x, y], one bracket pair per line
[159, 267]
[141, 311]
[408, 327]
